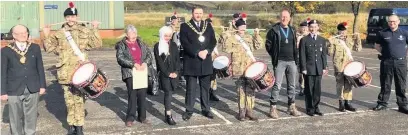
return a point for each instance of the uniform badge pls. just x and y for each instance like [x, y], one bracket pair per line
[401, 38]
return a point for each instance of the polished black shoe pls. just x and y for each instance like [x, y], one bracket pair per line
[78, 130]
[213, 97]
[403, 109]
[348, 106]
[341, 106]
[187, 115]
[71, 130]
[170, 120]
[319, 113]
[208, 114]
[310, 113]
[379, 108]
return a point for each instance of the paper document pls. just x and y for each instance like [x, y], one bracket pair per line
[140, 78]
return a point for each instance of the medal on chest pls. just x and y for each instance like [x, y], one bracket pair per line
[201, 38]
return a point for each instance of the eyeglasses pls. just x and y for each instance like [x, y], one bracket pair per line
[392, 21]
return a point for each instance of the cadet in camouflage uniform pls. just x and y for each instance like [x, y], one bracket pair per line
[340, 50]
[240, 60]
[213, 87]
[303, 31]
[58, 44]
[226, 34]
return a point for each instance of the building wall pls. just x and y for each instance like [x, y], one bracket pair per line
[34, 15]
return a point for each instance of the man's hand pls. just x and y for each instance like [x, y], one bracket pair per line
[203, 54]
[42, 91]
[173, 75]
[325, 72]
[46, 30]
[95, 24]
[304, 72]
[4, 97]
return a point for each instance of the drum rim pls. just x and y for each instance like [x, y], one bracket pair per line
[259, 75]
[360, 73]
[229, 61]
[87, 80]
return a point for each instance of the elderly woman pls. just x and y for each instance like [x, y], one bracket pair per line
[168, 65]
[133, 53]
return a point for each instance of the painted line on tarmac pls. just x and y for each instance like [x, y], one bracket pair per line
[215, 112]
[183, 127]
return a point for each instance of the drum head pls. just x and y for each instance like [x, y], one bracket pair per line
[255, 69]
[83, 73]
[353, 68]
[221, 62]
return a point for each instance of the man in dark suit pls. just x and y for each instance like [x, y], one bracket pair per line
[22, 80]
[198, 40]
[313, 64]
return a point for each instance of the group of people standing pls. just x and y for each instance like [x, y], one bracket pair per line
[297, 54]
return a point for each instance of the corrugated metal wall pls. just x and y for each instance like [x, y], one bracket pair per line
[22, 12]
[88, 11]
[34, 15]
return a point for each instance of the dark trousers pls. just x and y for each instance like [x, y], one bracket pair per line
[312, 92]
[23, 111]
[168, 88]
[203, 86]
[136, 97]
[388, 70]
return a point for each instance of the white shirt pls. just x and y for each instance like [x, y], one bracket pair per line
[21, 45]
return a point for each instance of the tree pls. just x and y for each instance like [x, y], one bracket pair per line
[300, 7]
[355, 7]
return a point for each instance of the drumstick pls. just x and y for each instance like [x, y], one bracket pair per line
[346, 35]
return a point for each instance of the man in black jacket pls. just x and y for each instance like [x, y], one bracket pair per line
[22, 80]
[198, 40]
[313, 64]
[281, 44]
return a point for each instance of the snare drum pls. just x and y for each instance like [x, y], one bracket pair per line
[89, 80]
[259, 76]
[221, 66]
[357, 74]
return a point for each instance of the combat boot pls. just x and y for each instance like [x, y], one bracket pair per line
[273, 113]
[292, 110]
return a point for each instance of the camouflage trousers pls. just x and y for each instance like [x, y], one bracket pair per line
[343, 87]
[214, 84]
[74, 101]
[246, 94]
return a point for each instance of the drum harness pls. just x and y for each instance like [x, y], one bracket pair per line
[73, 45]
[246, 47]
[348, 51]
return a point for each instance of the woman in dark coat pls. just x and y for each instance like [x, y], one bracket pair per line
[133, 53]
[168, 65]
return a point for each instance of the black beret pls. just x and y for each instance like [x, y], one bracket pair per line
[173, 17]
[239, 23]
[303, 24]
[342, 26]
[236, 15]
[71, 10]
[208, 20]
[313, 22]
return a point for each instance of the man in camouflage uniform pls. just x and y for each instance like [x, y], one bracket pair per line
[227, 33]
[214, 54]
[240, 60]
[85, 39]
[303, 31]
[340, 50]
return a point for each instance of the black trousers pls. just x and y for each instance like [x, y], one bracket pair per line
[312, 92]
[136, 98]
[388, 70]
[168, 87]
[203, 87]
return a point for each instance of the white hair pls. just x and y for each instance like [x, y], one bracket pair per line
[130, 28]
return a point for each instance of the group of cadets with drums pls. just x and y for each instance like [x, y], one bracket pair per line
[190, 50]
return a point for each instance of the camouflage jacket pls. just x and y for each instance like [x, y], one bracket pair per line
[339, 53]
[240, 60]
[300, 36]
[57, 43]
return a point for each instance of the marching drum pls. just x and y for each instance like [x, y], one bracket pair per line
[221, 66]
[356, 73]
[89, 80]
[259, 76]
